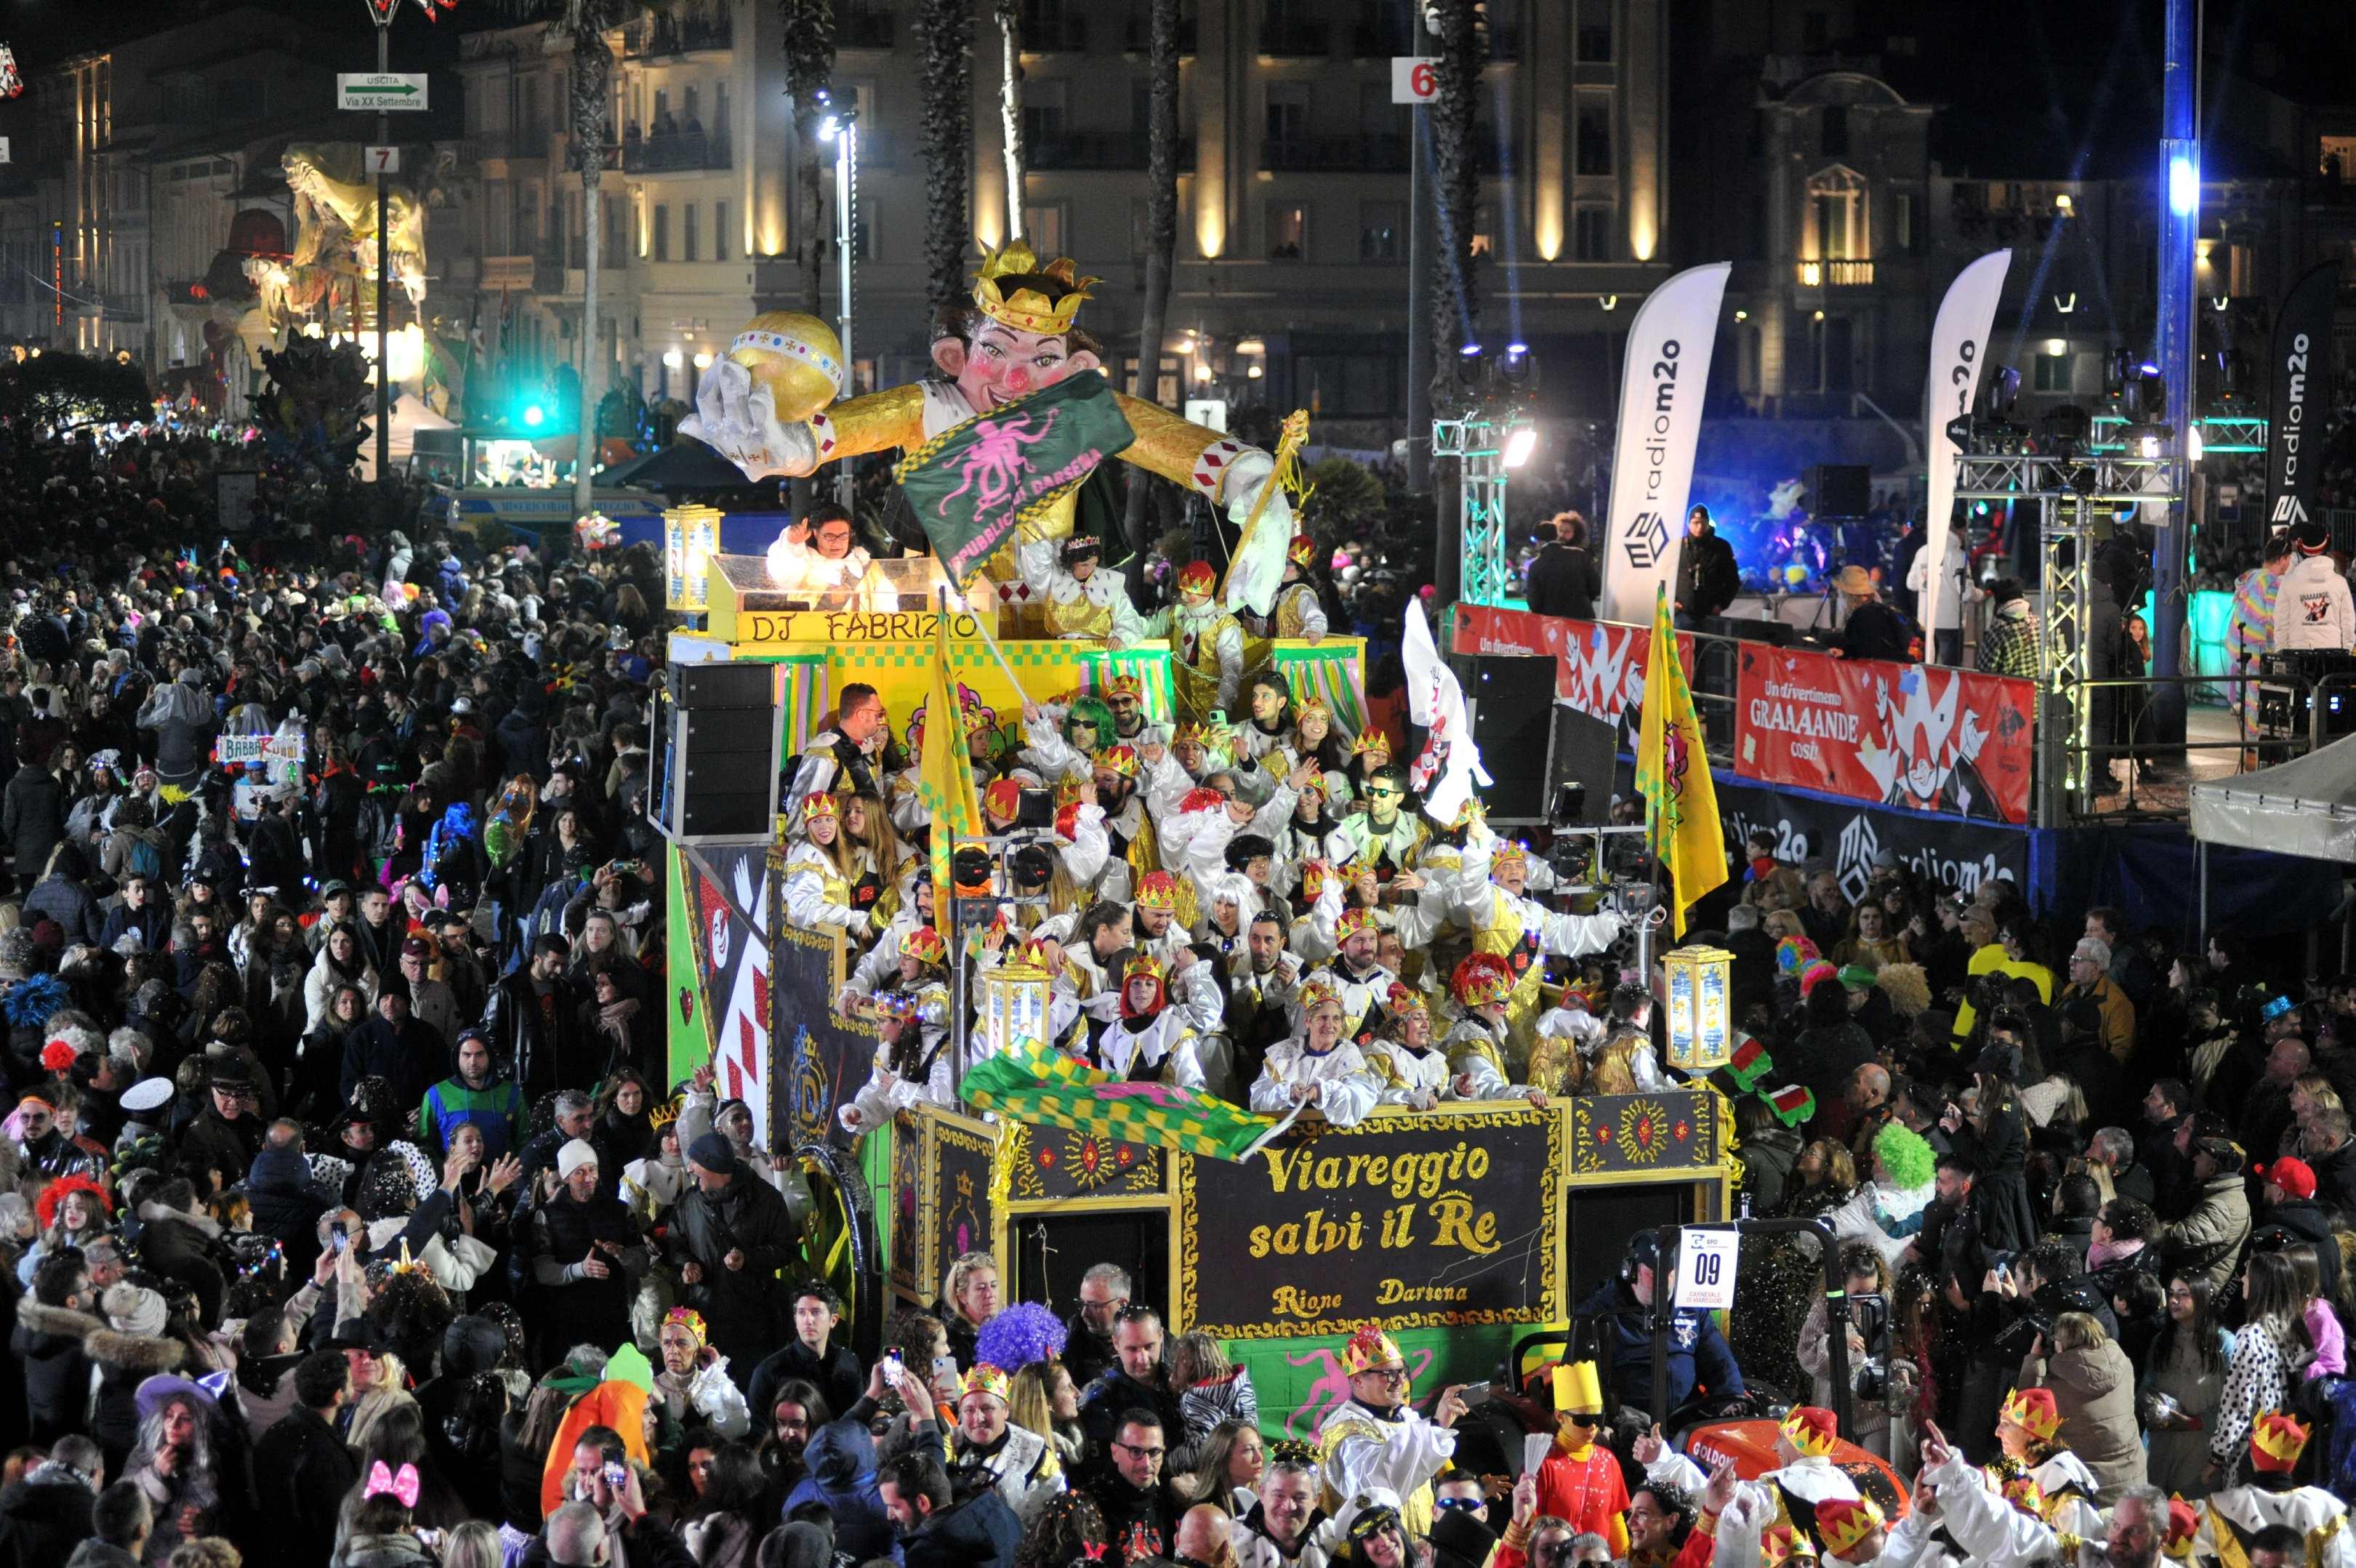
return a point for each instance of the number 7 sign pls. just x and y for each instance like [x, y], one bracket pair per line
[1413, 79]
[383, 160]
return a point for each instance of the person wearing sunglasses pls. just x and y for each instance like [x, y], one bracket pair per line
[1377, 1439]
[1579, 1479]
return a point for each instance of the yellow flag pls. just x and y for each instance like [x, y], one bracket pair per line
[1672, 774]
[944, 770]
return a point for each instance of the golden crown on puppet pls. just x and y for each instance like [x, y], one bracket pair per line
[1027, 309]
[793, 357]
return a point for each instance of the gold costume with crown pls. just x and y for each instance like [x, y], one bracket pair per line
[908, 416]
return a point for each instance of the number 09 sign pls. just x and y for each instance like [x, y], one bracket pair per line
[1706, 1270]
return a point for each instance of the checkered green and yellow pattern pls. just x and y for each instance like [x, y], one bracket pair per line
[1048, 1088]
[945, 774]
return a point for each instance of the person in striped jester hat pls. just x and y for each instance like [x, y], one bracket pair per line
[1376, 1438]
[2271, 1496]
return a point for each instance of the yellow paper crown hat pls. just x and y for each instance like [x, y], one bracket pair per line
[1845, 1522]
[1577, 1387]
[1026, 309]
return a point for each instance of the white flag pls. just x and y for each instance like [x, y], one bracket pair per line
[1660, 421]
[1449, 764]
[1958, 349]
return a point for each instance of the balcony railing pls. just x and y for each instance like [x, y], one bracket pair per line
[1101, 150]
[1286, 38]
[864, 29]
[1835, 274]
[1337, 155]
[1060, 34]
[125, 306]
[668, 34]
[673, 150]
[1139, 38]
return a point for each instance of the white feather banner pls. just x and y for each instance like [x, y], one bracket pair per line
[1449, 764]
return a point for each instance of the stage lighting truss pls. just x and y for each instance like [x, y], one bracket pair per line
[2222, 431]
[1478, 439]
[2074, 497]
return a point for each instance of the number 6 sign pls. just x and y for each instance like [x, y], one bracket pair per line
[1413, 79]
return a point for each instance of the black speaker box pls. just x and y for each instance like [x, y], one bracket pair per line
[1753, 628]
[1585, 752]
[1839, 489]
[721, 763]
[1512, 704]
[723, 685]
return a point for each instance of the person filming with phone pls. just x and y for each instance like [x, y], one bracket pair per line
[606, 1523]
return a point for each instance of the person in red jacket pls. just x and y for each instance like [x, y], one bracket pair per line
[1579, 1479]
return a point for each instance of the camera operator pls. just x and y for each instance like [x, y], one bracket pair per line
[1882, 1384]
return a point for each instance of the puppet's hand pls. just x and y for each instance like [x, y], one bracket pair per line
[741, 425]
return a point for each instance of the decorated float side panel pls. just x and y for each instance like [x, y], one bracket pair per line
[724, 896]
[1434, 1222]
[822, 1057]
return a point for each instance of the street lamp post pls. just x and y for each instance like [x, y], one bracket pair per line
[841, 127]
[382, 15]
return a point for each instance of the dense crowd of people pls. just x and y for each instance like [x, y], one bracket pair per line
[357, 1219]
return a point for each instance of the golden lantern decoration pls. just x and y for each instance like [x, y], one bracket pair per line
[1701, 1027]
[1013, 1006]
[691, 539]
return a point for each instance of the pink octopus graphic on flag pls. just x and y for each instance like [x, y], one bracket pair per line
[994, 467]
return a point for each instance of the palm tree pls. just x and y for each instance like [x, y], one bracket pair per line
[1456, 180]
[582, 26]
[1010, 108]
[809, 75]
[1160, 234]
[947, 27]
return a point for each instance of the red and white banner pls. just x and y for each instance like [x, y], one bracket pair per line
[1598, 665]
[1925, 739]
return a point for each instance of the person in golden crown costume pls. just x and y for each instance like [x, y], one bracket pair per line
[1375, 1438]
[1020, 334]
